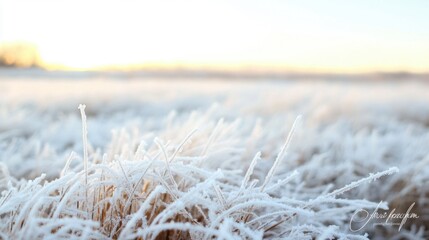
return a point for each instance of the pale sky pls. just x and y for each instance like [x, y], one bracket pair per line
[321, 36]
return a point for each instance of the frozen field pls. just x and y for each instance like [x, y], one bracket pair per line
[203, 159]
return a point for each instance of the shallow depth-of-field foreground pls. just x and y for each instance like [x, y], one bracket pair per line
[208, 159]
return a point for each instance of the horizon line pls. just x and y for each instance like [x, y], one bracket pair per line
[184, 72]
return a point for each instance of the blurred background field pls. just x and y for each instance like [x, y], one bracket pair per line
[239, 72]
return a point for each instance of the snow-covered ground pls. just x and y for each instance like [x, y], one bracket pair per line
[171, 158]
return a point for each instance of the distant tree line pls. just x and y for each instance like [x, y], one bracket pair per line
[19, 55]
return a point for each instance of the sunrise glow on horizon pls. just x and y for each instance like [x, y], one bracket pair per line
[334, 36]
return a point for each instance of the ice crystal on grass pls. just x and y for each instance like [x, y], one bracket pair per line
[163, 193]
